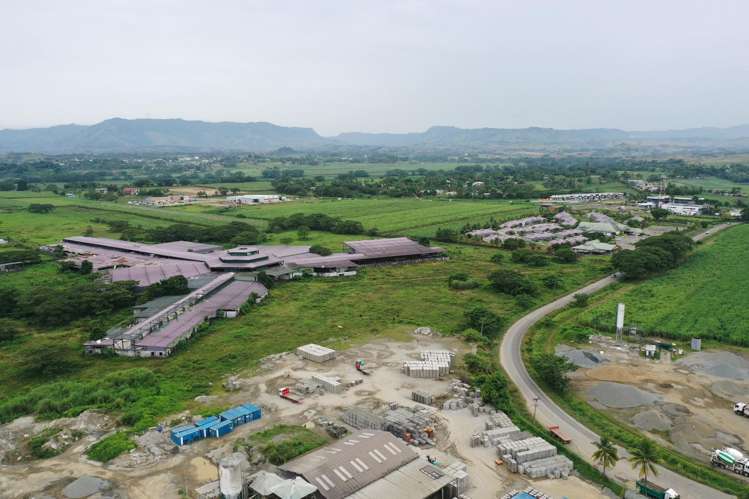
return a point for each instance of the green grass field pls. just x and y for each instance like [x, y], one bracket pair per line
[706, 297]
[403, 216]
[386, 301]
[332, 169]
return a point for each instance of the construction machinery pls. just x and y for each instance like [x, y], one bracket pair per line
[286, 393]
[649, 489]
[359, 364]
[732, 460]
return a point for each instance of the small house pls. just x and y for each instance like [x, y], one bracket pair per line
[241, 414]
[206, 423]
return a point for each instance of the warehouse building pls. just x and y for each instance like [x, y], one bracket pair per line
[371, 464]
[255, 199]
[393, 250]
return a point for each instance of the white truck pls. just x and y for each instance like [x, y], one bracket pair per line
[741, 408]
[730, 459]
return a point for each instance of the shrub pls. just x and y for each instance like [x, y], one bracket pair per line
[110, 447]
[485, 321]
[581, 300]
[512, 283]
[513, 244]
[320, 250]
[552, 282]
[497, 258]
[564, 254]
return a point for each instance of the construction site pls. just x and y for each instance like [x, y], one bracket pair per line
[397, 423]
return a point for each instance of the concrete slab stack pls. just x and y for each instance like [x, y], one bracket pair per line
[330, 384]
[461, 481]
[422, 397]
[316, 353]
[551, 467]
[490, 438]
[498, 420]
[362, 419]
[413, 425]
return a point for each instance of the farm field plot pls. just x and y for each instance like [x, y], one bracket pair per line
[72, 216]
[338, 168]
[707, 296]
[413, 217]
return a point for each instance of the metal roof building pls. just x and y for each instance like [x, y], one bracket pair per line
[369, 250]
[347, 466]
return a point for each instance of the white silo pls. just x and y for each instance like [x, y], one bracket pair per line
[230, 479]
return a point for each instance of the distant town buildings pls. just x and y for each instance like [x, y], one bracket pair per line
[256, 199]
[586, 197]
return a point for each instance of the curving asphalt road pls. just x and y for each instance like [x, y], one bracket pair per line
[548, 412]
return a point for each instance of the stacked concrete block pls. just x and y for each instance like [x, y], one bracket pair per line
[498, 420]
[413, 425]
[315, 353]
[491, 438]
[476, 440]
[512, 447]
[550, 467]
[363, 419]
[460, 482]
[535, 453]
[422, 397]
[330, 384]
[422, 369]
[453, 404]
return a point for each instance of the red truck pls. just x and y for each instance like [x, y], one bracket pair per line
[556, 433]
[286, 393]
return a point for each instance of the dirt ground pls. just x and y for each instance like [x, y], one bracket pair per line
[155, 470]
[686, 403]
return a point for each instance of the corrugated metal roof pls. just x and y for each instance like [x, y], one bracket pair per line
[415, 480]
[348, 465]
[393, 247]
[147, 274]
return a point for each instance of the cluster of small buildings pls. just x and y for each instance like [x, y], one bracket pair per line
[564, 230]
[586, 197]
[678, 205]
[642, 185]
[162, 201]
[216, 426]
[534, 230]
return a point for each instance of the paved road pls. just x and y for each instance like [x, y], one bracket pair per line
[548, 412]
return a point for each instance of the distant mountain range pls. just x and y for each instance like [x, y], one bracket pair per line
[119, 135]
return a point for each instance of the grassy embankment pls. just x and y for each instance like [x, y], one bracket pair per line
[691, 295]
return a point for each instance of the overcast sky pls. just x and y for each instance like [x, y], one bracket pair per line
[377, 65]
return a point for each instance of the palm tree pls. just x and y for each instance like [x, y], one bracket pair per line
[643, 458]
[606, 454]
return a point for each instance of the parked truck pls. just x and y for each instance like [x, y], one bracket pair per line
[741, 408]
[649, 489]
[732, 460]
[286, 393]
[557, 434]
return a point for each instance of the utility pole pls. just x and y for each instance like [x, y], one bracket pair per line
[535, 406]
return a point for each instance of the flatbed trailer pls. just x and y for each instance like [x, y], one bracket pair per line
[557, 434]
[286, 393]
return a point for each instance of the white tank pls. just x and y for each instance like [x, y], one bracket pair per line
[230, 480]
[734, 453]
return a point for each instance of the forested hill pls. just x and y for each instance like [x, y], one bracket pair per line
[175, 135]
[152, 135]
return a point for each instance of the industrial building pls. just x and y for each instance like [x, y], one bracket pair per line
[216, 426]
[374, 464]
[256, 199]
[594, 248]
[158, 334]
[149, 263]
[586, 197]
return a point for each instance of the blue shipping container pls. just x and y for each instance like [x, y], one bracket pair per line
[220, 429]
[203, 425]
[255, 412]
[186, 436]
